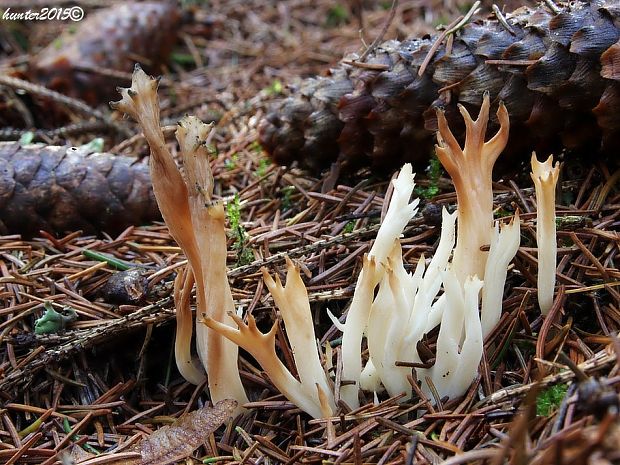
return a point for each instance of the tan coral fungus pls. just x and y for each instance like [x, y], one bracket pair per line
[197, 224]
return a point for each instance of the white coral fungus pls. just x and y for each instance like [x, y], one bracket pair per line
[545, 176]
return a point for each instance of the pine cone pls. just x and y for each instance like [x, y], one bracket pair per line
[58, 189]
[559, 78]
[112, 39]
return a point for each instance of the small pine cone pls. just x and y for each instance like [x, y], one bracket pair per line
[111, 39]
[59, 189]
[558, 76]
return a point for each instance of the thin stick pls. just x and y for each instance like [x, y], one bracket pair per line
[431, 53]
[386, 26]
[472, 11]
[73, 103]
[502, 20]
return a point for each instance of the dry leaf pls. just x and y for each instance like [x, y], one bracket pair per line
[177, 441]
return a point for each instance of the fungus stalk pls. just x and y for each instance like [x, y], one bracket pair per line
[504, 245]
[218, 355]
[386, 331]
[187, 365]
[459, 343]
[545, 176]
[292, 300]
[470, 169]
[197, 224]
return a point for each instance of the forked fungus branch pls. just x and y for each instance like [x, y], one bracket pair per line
[471, 169]
[313, 393]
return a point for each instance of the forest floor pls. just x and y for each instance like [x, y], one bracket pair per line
[548, 388]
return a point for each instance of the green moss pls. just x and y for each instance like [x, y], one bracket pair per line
[183, 59]
[502, 213]
[550, 399]
[26, 138]
[233, 209]
[185, 4]
[94, 146]
[336, 15]
[212, 150]
[52, 321]
[572, 222]
[245, 256]
[276, 88]
[434, 172]
[231, 163]
[261, 169]
[287, 194]
[256, 147]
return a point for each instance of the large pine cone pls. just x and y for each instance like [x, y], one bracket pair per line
[559, 79]
[59, 189]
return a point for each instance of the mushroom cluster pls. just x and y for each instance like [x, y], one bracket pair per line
[460, 288]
